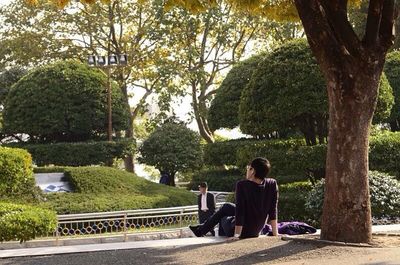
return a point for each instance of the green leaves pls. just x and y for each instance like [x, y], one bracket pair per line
[384, 191]
[65, 101]
[22, 222]
[80, 153]
[171, 148]
[101, 189]
[16, 175]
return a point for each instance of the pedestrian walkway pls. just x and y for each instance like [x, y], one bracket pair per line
[39, 251]
[109, 246]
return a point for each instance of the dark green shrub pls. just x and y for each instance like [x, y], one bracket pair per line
[273, 102]
[63, 102]
[285, 179]
[392, 70]
[171, 148]
[384, 191]
[217, 179]
[293, 159]
[99, 189]
[292, 199]
[223, 153]
[16, 175]
[78, 154]
[48, 169]
[384, 153]
[22, 222]
[8, 78]
[224, 108]
[287, 157]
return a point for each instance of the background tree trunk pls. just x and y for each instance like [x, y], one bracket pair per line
[172, 179]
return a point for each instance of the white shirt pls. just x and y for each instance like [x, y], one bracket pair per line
[204, 202]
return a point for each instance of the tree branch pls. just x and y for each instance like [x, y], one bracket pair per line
[320, 36]
[336, 13]
[373, 23]
[386, 31]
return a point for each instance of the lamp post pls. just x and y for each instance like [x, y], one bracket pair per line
[106, 63]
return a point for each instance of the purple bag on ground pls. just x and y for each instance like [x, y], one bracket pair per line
[290, 228]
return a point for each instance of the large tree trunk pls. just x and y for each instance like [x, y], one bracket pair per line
[352, 68]
[347, 212]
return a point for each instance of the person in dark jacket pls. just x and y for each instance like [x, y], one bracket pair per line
[256, 204]
[206, 204]
[164, 179]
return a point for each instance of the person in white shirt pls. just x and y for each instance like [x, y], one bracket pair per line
[206, 203]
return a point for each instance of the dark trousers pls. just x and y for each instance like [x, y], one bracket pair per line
[225, 217]
[203, 216]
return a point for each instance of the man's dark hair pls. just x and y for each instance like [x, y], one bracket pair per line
[261, 167]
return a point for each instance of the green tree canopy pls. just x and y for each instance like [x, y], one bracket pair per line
[171, 148]
[224, 107]
[288, 91]
[392, 70]
[65, 101]
[7, 79]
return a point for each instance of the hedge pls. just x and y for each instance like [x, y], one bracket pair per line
[22, 222]
[223, 153]
[16, 175]
[385, 153]
[226, 153]
[217, 179]
[101, 189]
[78, 154]
[292, 199]
[294, 158]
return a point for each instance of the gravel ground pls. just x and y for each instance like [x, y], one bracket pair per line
[250, 251]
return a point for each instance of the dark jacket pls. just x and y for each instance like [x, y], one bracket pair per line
[210, 202]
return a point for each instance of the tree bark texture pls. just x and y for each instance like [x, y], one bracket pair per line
[200, 116]
[352, 69]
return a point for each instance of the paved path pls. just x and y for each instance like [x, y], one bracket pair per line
[206, 250]
[265, 250]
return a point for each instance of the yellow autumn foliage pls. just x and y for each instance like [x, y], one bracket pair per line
[274, 9]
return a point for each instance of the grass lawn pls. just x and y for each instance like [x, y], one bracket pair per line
[101, 189]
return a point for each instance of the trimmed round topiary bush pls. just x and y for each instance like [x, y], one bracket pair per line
[224, 108]
[23, 222]
[272, 102]
[63, 102]
[172, 147]
[16, 173]
[384, 191]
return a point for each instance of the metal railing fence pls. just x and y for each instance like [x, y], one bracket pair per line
[126, 222]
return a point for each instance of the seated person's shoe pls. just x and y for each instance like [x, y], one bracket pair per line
[196, 231]
[212, 232]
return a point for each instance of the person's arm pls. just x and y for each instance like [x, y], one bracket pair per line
[239, 212]
[273, 213]
[274, 225]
